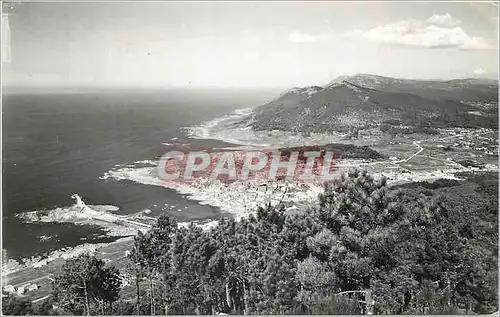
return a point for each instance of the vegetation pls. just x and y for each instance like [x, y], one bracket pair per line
[11, 305]
[396, 129]
[364, 101]
[341, 151]
[85, 286]
[365, 248]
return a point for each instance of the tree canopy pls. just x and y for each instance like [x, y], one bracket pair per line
[86, 286]
[406, 251]
[365, 247]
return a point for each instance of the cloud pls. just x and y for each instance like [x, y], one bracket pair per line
[445, 20]
[422, 34]
[479, 71]
[251, 56]
[297, 37]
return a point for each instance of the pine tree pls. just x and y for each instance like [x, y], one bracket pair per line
[86, 286]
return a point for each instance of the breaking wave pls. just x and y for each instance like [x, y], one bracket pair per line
[236, 128]
[237, 199]
[82, 214]
[12, 265]
[228, 128]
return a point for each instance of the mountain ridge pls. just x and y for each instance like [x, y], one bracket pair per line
[368, 100]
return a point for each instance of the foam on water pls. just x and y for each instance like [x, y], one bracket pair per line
[238, 199]
[231, 129]
[82, 214]
[146, 162]
[219, 128]
[13, 266]
[241, 199]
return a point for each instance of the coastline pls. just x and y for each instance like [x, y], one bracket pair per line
[235, 200]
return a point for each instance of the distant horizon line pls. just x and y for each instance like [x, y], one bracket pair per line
[87, 86]
[131, 86]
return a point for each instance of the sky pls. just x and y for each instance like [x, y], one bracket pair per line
[244, 44]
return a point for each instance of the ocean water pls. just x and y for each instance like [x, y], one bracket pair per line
[57, 144]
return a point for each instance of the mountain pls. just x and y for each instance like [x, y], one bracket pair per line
[468, 89]
[365, 100]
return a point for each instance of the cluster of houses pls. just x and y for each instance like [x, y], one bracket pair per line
[478, 140]
[20, 290]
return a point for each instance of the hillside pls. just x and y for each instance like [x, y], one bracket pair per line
[366, 100]
[468, 89]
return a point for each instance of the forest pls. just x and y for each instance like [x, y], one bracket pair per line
[365, 247]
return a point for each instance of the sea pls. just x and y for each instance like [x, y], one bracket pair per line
[59, 143]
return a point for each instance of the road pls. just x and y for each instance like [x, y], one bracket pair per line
[420, 149]
[116, 253]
